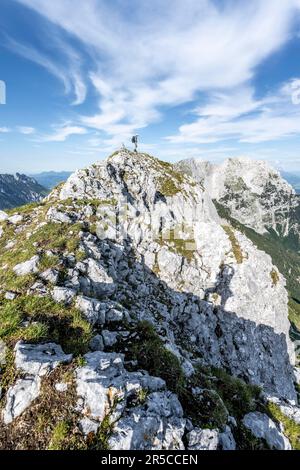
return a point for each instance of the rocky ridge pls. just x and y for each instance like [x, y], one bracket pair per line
[151, 322]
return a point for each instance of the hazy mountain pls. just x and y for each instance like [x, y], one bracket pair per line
[18, 190]
[50, 179]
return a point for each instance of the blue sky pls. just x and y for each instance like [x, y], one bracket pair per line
[195, 78]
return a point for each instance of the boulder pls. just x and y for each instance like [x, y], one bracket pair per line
[20, 396]
[15, 219]
[203, 439]
[96, 343]
[263, 427]
[96, 283]
[39, 359]
[28, 267]
[63, 295]
[92, 309]
[56, 216]
[50, 275]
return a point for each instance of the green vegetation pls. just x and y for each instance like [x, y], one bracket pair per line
[181, 246]
[48, 321]
[220, 392]
[8, 372]
[291, 429]
[240, 398]
[275, 277]
[234, 243]
[60, 434]
[152, 356]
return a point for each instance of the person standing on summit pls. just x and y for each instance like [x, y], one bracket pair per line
[134, 140]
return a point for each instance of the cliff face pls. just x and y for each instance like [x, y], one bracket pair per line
[19, 190]
[129, 264]
[253, 192]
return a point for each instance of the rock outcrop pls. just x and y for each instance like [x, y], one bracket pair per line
[131, 270]
[252, 191]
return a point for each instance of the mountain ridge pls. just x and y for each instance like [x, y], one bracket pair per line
[156, 311]
[17, 190]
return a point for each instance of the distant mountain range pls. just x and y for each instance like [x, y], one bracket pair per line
[50, 179]
[293, 179]
[17, 190]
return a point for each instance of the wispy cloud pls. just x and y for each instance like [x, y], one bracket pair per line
[238, 115]
[26, 130]
[4, 130]
[67, 70]
[146, 57]
[62, 133]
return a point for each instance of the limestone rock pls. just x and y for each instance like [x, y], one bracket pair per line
[63, 295]
[50, 275]
[263, 427]
[3, 216]
[15, 219]
[203, 439]
[92, 309]
[20, 396]
[39, 359]
[28, 267]
[56, 216]
[96, 343]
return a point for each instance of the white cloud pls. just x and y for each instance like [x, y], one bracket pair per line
[62, 133]
[67, 71]
[238, 115]
[4, 130]
[146, 57]
[26, 130]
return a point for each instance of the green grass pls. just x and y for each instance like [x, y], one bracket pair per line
[59, 437]
[49, 321]
[152, 356]
[275, 277]
[236, 249]
[291, 429]
[181, 246]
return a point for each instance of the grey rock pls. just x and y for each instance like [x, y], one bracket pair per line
[114, 315]
[203, 439]
[63, 295]
[57, 216]
[28, 267]
[226, 439]
[96, 343]
[263, 427]
[3, 350]
[3, 216]
[61, 387]
[291, 411]
[51, 276]
[109, 338]
[19, 397]
[103, 380]
[96, 283]
[92, 309]
[15, 219]
[39, 359]
[10, 295]
[87, 426]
